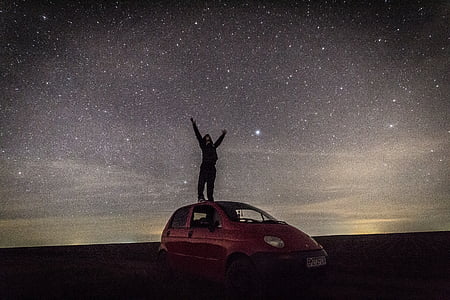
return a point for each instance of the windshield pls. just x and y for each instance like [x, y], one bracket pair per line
[241, 212]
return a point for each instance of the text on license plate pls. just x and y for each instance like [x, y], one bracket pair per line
[318, 261]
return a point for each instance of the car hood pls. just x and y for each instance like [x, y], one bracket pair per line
[294, 239]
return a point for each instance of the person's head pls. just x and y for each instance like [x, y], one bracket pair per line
[207, 139]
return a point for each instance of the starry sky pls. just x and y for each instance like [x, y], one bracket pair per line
[337, 112]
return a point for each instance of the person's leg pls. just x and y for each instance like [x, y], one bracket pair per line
[201, 184]
[210, 183]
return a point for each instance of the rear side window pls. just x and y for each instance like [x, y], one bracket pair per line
[204, 216]
[180, 217]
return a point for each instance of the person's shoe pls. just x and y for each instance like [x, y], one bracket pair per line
[201, 199]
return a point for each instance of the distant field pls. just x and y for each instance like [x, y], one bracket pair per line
[390, 266]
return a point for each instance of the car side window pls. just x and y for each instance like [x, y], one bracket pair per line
[205, 216]
[180, 217]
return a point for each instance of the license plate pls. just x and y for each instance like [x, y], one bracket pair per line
[312, 262]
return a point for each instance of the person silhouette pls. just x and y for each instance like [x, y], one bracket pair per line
[209, 158]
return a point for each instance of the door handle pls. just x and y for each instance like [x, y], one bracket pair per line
[190, 233]
[168, 233]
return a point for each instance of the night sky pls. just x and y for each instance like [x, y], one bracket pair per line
[337, 112]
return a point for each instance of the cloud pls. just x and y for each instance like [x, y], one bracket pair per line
[364, 213]
[384, 187]
[79, 230]
[71, 187]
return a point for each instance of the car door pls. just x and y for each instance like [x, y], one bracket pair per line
[206, 241]
[176, 239]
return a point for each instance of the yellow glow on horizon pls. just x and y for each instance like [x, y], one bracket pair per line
[84, 230]
[370, 226]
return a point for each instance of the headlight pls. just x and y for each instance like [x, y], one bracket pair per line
[274, 241]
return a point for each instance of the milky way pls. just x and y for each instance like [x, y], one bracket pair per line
[338, 115]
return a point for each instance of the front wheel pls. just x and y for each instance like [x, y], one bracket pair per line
[242, 280]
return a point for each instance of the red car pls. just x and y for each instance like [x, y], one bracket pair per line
[236, 243]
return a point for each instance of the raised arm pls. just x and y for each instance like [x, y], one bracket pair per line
[197, 132]
[220, 139]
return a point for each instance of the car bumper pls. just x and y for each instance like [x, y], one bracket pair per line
[291, 263]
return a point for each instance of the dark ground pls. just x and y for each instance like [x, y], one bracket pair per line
[391, 266]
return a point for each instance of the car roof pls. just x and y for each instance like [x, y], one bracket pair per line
[226, 204]
[218, 203]
[212, 203]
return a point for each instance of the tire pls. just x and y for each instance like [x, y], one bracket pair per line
[242, 280]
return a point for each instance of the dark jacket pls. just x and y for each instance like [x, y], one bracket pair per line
[209, 153]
